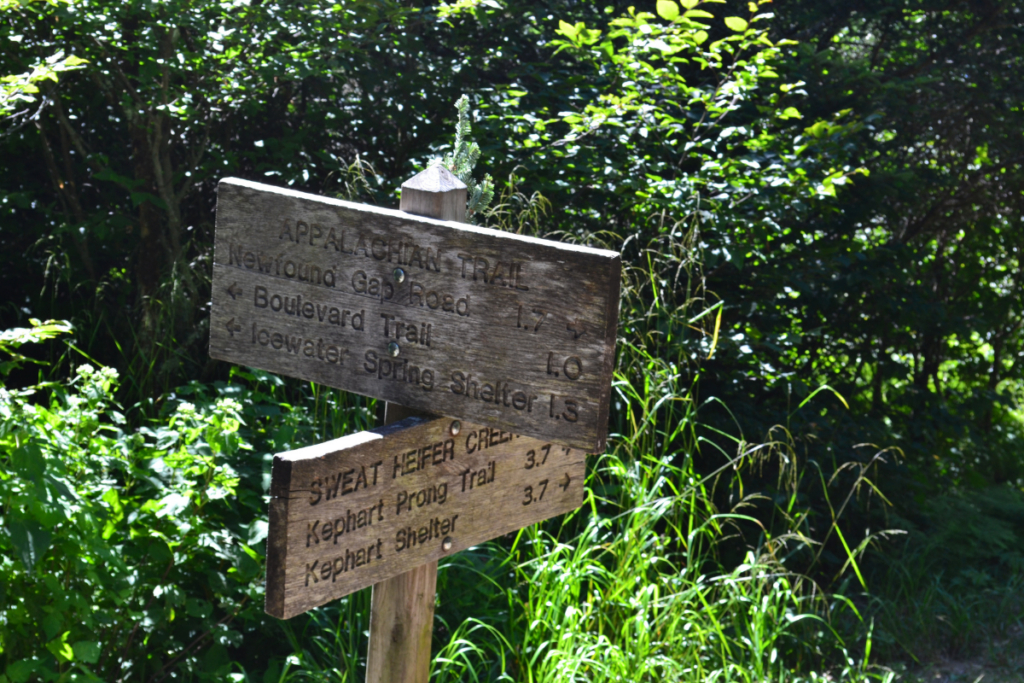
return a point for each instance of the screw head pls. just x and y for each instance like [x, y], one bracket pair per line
[456, 428]
[399, 275]
[394, 349]
[446, 544]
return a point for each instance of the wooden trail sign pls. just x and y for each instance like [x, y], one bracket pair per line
[357, 510]
[491, 327]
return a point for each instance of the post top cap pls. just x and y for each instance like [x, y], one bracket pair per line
[436, 178]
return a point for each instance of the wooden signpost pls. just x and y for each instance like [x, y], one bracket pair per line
[512, 338]
[351, 512]
[493, 327]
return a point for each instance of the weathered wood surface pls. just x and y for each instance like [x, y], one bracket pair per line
[357, 510]
[492, 327]
[435, 193]
[402, 627]
[402, 607]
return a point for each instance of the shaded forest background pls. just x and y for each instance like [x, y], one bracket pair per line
[809, 194]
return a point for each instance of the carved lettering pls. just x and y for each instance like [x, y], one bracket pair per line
[419, 458]
[316, 349]
[436, 316]
[240, 257]
[563, 407]
[351, 480]
[436, 528]
[295, 306]
[437, 478]
[394, 328]
[499, 393]
[480, 477]
[533, 495]
[572, 367]
[436, 300]
[373, 287]
[398, 370]
[501, 274]
[478, 440]
[435, 493]
[536, 458]
[333, 568]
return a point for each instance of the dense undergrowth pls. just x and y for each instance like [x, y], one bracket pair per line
[815, 468]
[135, 553]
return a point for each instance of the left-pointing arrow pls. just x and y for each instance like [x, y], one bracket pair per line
[234, 290]
[233, 327]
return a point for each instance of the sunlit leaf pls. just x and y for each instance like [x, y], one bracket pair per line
[668, 10]
[736, 24]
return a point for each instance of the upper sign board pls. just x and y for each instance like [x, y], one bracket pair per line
[355, 511]
[509, 331]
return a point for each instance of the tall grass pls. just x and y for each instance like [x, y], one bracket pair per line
[636, 584]
[952, 589]
[668, 571]
[630, 587]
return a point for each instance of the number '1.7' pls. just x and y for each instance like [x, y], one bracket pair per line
[524, 320]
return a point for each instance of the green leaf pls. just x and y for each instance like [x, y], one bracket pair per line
[140, 197]
[52, 625]
[20, 671]
[699, 14]
[818, 129]
[258, 530]
[668, 10]
[197, 607]
[28, 462]
[40, 331]
[60, 648]
[736, 24]
[87, 651]
[112, 499]
[30, 540]
[123, 181]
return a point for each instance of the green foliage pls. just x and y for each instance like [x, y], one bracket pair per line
[901, 290]
[124, 154]
[954, 589]
[462, 160]
[138, 553]
[11, 340]
[19, 89]
[823, 195]
[130, 553]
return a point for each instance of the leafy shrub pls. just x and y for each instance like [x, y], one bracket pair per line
[131, 553]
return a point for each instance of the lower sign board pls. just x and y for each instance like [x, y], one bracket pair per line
[355, 511]
[492, 327]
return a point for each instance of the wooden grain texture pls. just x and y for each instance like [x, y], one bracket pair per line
[435, 193]
[491, 327]
[402, 607]
[402, 626]
[352, 512]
